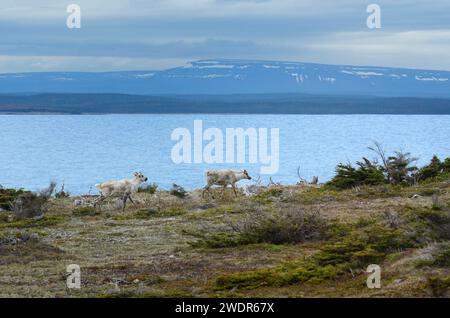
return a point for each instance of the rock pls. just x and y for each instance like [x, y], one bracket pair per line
[37, 217]
[136, 281]
[416, 196]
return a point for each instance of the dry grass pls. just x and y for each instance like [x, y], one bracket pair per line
[147, 250]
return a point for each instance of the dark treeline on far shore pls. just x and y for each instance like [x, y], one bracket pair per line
[216, 104]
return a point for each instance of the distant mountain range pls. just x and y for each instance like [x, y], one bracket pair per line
[231, 86]
[223, 76]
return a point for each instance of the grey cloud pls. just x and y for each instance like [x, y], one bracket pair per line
[168, 31]
[208, 48]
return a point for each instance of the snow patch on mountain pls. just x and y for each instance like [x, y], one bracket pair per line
[271, 66]
[427, 79]
[327, 79]
[146, 75]
[362, 74]
[62, 79]
[227, 76]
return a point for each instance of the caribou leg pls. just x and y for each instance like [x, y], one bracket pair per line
[125, 197]
[129, 197]
[99, 200]
[234, 189]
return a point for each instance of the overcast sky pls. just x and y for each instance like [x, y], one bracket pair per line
[158, 34]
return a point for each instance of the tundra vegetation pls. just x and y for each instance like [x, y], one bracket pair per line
[304, 240]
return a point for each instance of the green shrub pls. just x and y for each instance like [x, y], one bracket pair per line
[431, 170]
[248, 280]
[441, 257]
[267, 196]
[435, 169]
[288, 273]
[396, 169]
[365, 173]
[446, 165]
[85, 211]
[4, 217]
[30, 204]
[439, 286]
[370, 245]
[284, 227]
[350, 251]
[151, 189]
[7, 197]
[428, 223]
[399, 168]
[30, 223]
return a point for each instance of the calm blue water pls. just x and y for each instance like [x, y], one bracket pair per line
[80, 151]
